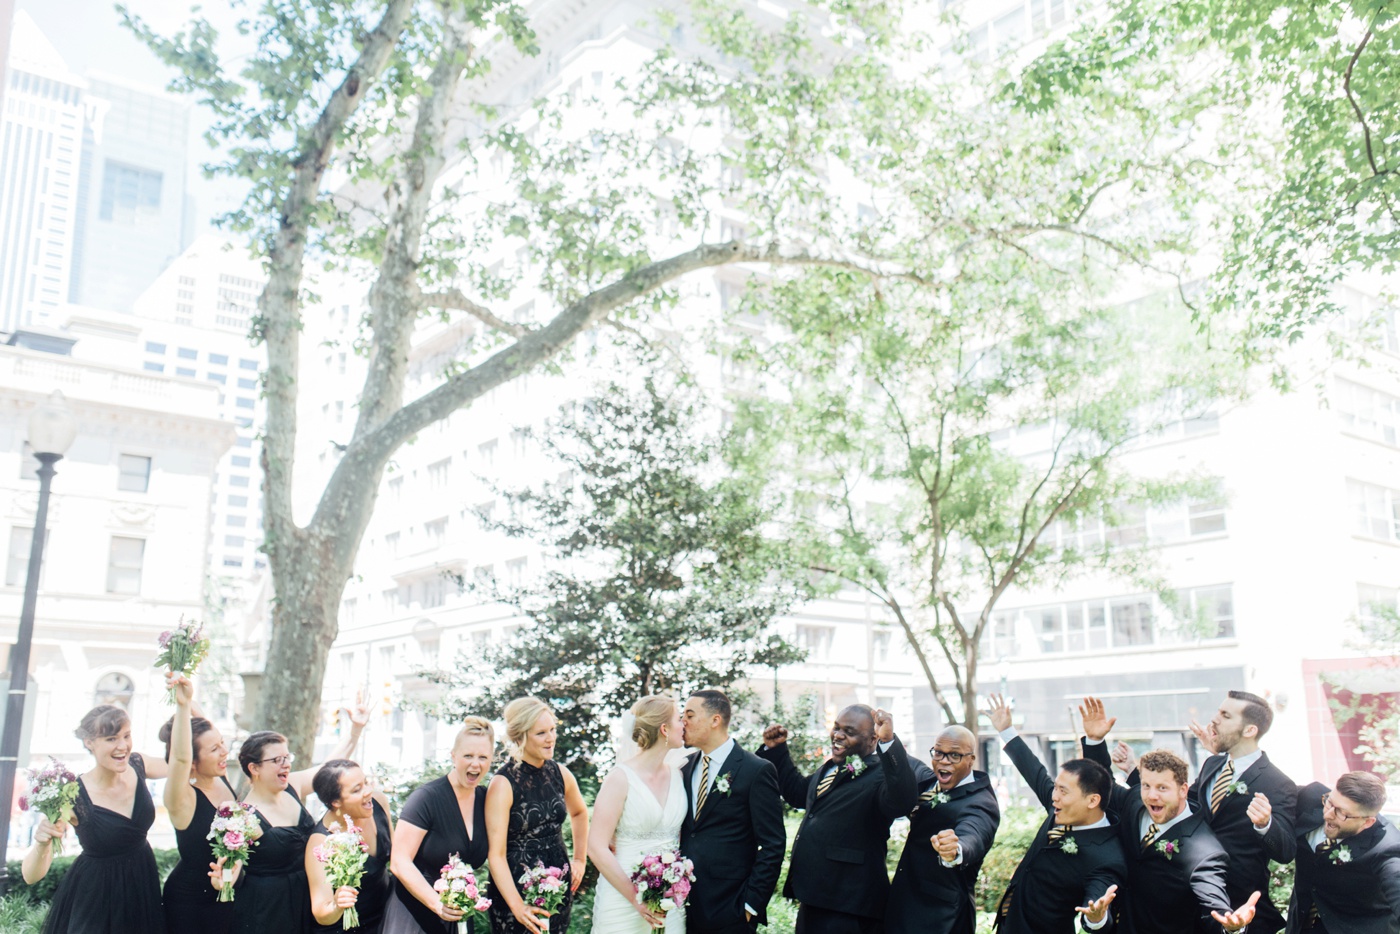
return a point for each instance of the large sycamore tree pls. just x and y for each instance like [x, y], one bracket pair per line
[824, 137]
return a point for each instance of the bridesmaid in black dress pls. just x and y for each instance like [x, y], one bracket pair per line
[113, 887]
[348, 796]
[197, 785]
[442, 817]
[525, 810]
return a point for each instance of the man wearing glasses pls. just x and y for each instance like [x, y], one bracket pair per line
[950, 832]
[1348, 863]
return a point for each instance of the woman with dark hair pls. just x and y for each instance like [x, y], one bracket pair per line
[443, 817]
[197, 786]
[273, 895]
[350, 800]
[113, 887]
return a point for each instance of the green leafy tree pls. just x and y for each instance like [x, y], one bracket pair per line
[660, 578]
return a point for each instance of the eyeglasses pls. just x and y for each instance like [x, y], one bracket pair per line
[951, 757]
[1327, 805]
[288, 759]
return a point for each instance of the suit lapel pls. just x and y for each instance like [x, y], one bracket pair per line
[687, 774]
[1249, 775]
[727, 767]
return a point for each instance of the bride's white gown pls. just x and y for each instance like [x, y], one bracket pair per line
[645, 827]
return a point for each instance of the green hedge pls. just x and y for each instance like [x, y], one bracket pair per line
[42, 891]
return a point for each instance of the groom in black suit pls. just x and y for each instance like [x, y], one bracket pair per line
[733, 828]
[837, 872]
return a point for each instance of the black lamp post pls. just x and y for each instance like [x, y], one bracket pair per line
[52, 429]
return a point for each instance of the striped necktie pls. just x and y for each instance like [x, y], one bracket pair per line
[1147, 838]
[925, 798]
[704, 791]
[828, 780]
[1057, 833]
[1222, 785]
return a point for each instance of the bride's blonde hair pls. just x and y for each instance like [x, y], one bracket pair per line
[649, 715]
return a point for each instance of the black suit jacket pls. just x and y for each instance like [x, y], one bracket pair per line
[737, 844]
[1360, 896]
[1050, 883]
[1166, 896]
[838, 855]
[1248, 850]
[927, 897]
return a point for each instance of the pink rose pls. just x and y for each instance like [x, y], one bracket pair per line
[234, 840]
[554, 872]
[440, 885]
[482, 904]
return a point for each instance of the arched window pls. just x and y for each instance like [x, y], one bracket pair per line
[114, 688]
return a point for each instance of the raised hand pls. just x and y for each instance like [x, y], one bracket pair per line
[998, 712]
[1234, 920]
[1096, 722]
[182, 687]
[359, 715]
[1260, 811]
[775, 735]
[1123, 758]
[1094, 911]
[1206, 734]
[48, 830]
[884, 726]
[945, 844]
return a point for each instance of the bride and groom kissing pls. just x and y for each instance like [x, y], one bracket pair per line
[724, 809]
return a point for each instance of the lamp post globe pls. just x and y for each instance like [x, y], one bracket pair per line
[52, 431]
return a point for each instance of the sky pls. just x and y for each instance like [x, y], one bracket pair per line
[89, 36]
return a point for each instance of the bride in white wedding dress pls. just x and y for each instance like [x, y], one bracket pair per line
[639, 810]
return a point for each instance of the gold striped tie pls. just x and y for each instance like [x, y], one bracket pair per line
[1147, 838]
[1057, 833]
[1222, 785]
[830, 779]
[925, 798]
[704, 791]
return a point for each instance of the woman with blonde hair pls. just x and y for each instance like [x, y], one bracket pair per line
[639, 810]
[443, 817]
[526, 806]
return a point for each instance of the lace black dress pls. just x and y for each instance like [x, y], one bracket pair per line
[374, 884]
[274, 894]
[433, 808]
[536, 835]
[113, 887]
[192, 904]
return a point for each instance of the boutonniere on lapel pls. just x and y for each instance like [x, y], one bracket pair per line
[1069, 847]
[1167, 848]
[854, 767]
[722, 783]
[939, 797]
[1339, 855]
[1237, 788]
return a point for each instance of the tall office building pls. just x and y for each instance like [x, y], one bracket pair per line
[41, 134]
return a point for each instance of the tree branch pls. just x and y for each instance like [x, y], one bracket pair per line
[1356, 106]
[455, 300]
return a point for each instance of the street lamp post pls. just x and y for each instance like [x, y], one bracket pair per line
[52, 429]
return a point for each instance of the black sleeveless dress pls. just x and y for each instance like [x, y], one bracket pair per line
[433, 807]
[192, 904]
[113, 887]
[374, 884]
[535, 835]
[274, 894]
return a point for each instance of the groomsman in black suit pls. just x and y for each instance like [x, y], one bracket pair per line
[1348, 874]
[733, 829]
[950, 832]
[837, 870]
[1075, 864]
[1247, 801]
[1176, 866]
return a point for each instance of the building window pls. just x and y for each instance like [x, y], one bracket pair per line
[1375, 606]
[435, 531]
[1368, 412]
[134, 473]
[391, 543]
[219, 378]
[487, 450]
[124, 565]
[130, 195]
[1375, 510]
[484, 575]
[237, 481]
[150, 367]
[218, 359]
[153, 347]
[438, 474]
[1206, 518]
[184, 371]
[1208, 612]
[238, 501]
[247, 364]
[233, 541]
[17, 564]
[240, 460]
[232, 562]
[246, 403]
[245, 383]
[515, 571]
[816, 640]
[28, 463]
[114, 688]
[1132, 621]
[236, 522]
[187, 353]
[880, 642]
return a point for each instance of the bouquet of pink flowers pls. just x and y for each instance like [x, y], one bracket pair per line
[234, 832]
[663, 880]
[543, 887]
[458, 888]
[343, 854]
[53, 790]
[181, 650]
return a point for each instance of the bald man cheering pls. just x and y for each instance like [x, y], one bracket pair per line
[950, 832]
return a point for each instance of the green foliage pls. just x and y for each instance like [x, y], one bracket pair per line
[20, 915]
[41, 892]
[660, 577]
